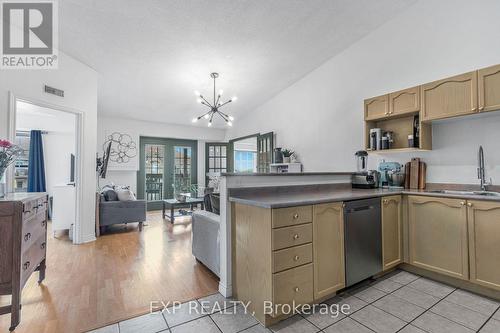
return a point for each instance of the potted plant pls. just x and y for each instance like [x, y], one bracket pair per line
[287, 154]
[8, 154]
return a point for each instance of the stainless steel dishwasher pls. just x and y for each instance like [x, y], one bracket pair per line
[363, 240]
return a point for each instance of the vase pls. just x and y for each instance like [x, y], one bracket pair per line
[2, 185]
[286, 159]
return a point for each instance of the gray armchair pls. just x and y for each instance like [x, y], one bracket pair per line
[206, 239]
[117, 212]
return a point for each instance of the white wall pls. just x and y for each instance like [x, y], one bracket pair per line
[80, 85]
[126, 173]
[321, 116]
[58, 141]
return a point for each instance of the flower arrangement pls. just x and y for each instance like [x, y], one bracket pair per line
[9, 152]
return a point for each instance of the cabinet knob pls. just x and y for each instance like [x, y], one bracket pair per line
[296, 258]
[43, 223]
[295, 216]
[473, 110]
[27, 237]
[469, 204]
[481, 108]
[296, 236]
[42, 246]
[462, 203]
[386, 201]
[296, 289]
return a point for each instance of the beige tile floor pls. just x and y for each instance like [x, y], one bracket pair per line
[401, 302]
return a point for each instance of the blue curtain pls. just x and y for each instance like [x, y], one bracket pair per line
[36, 167]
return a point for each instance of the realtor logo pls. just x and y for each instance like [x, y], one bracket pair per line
[29, 34]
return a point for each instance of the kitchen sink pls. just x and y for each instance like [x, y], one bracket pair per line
[483, 193]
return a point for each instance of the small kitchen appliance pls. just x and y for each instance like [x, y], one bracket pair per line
[375, 139]
[364, 178]
[390, 174]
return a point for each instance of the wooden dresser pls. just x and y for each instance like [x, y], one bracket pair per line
[23, 242]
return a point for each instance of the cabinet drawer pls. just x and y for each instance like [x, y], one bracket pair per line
[292, 257]
[292, 236]
[32, 257]
[293, 285]
[33, 228]
[283, 217]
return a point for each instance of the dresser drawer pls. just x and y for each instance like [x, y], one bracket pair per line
[33, 228]
[292, 236]
[292, 257]
[293, 285]
[32, 257]
[283, 217]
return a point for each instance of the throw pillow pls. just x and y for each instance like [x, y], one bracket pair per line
[110, 195]
[125, 195]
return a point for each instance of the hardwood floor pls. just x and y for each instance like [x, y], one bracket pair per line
[115, 278]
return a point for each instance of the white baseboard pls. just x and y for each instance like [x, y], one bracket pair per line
[87, 239]
[226, 291]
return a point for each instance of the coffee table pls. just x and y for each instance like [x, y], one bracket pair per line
[172, 204]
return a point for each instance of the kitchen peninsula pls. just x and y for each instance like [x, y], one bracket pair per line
[288, 242]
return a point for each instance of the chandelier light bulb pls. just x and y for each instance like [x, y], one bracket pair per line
[194, 120]
[231, 118]
[209, 123]
[197, 93]
[234, 99]
[221, 92]
[199, 100]
[206, 116]
[229, 123]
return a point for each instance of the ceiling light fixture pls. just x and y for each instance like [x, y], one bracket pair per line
[215, 106]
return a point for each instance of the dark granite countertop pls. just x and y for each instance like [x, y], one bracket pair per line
[319, 173]
[316, 195]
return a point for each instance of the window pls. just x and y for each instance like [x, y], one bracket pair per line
[216, 157]
[154, 166]
[182, 169]
[245, 161]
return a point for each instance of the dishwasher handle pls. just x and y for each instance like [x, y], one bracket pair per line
[359, 209]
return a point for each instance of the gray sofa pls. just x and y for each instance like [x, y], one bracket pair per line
[206, 239]
[117, 212]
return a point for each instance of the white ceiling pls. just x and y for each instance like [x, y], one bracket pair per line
[152, 54]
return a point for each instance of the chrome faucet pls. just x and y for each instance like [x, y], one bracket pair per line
[481, 174]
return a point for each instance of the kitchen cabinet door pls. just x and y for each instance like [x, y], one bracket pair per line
[328, 249]
[438, 238]
[404, 101]
[377, 107]
[484, 243]
[451, 97]
[392, 234]
[489, 89]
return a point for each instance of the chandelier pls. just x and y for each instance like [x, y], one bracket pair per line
[215, 106]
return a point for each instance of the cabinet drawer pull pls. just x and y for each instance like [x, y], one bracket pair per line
[462, 203]
[295, 216]
[26, 265]
[473, 110]
[27, 237]
[469, 204]
[296, 289]
[42, 246]
[296, 258]
[481, 108]
[296, 236]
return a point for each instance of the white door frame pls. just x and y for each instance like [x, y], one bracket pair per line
[13, 99]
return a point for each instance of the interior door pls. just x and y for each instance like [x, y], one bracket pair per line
[265, 147]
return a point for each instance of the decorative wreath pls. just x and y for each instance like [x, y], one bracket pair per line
[123, 148]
